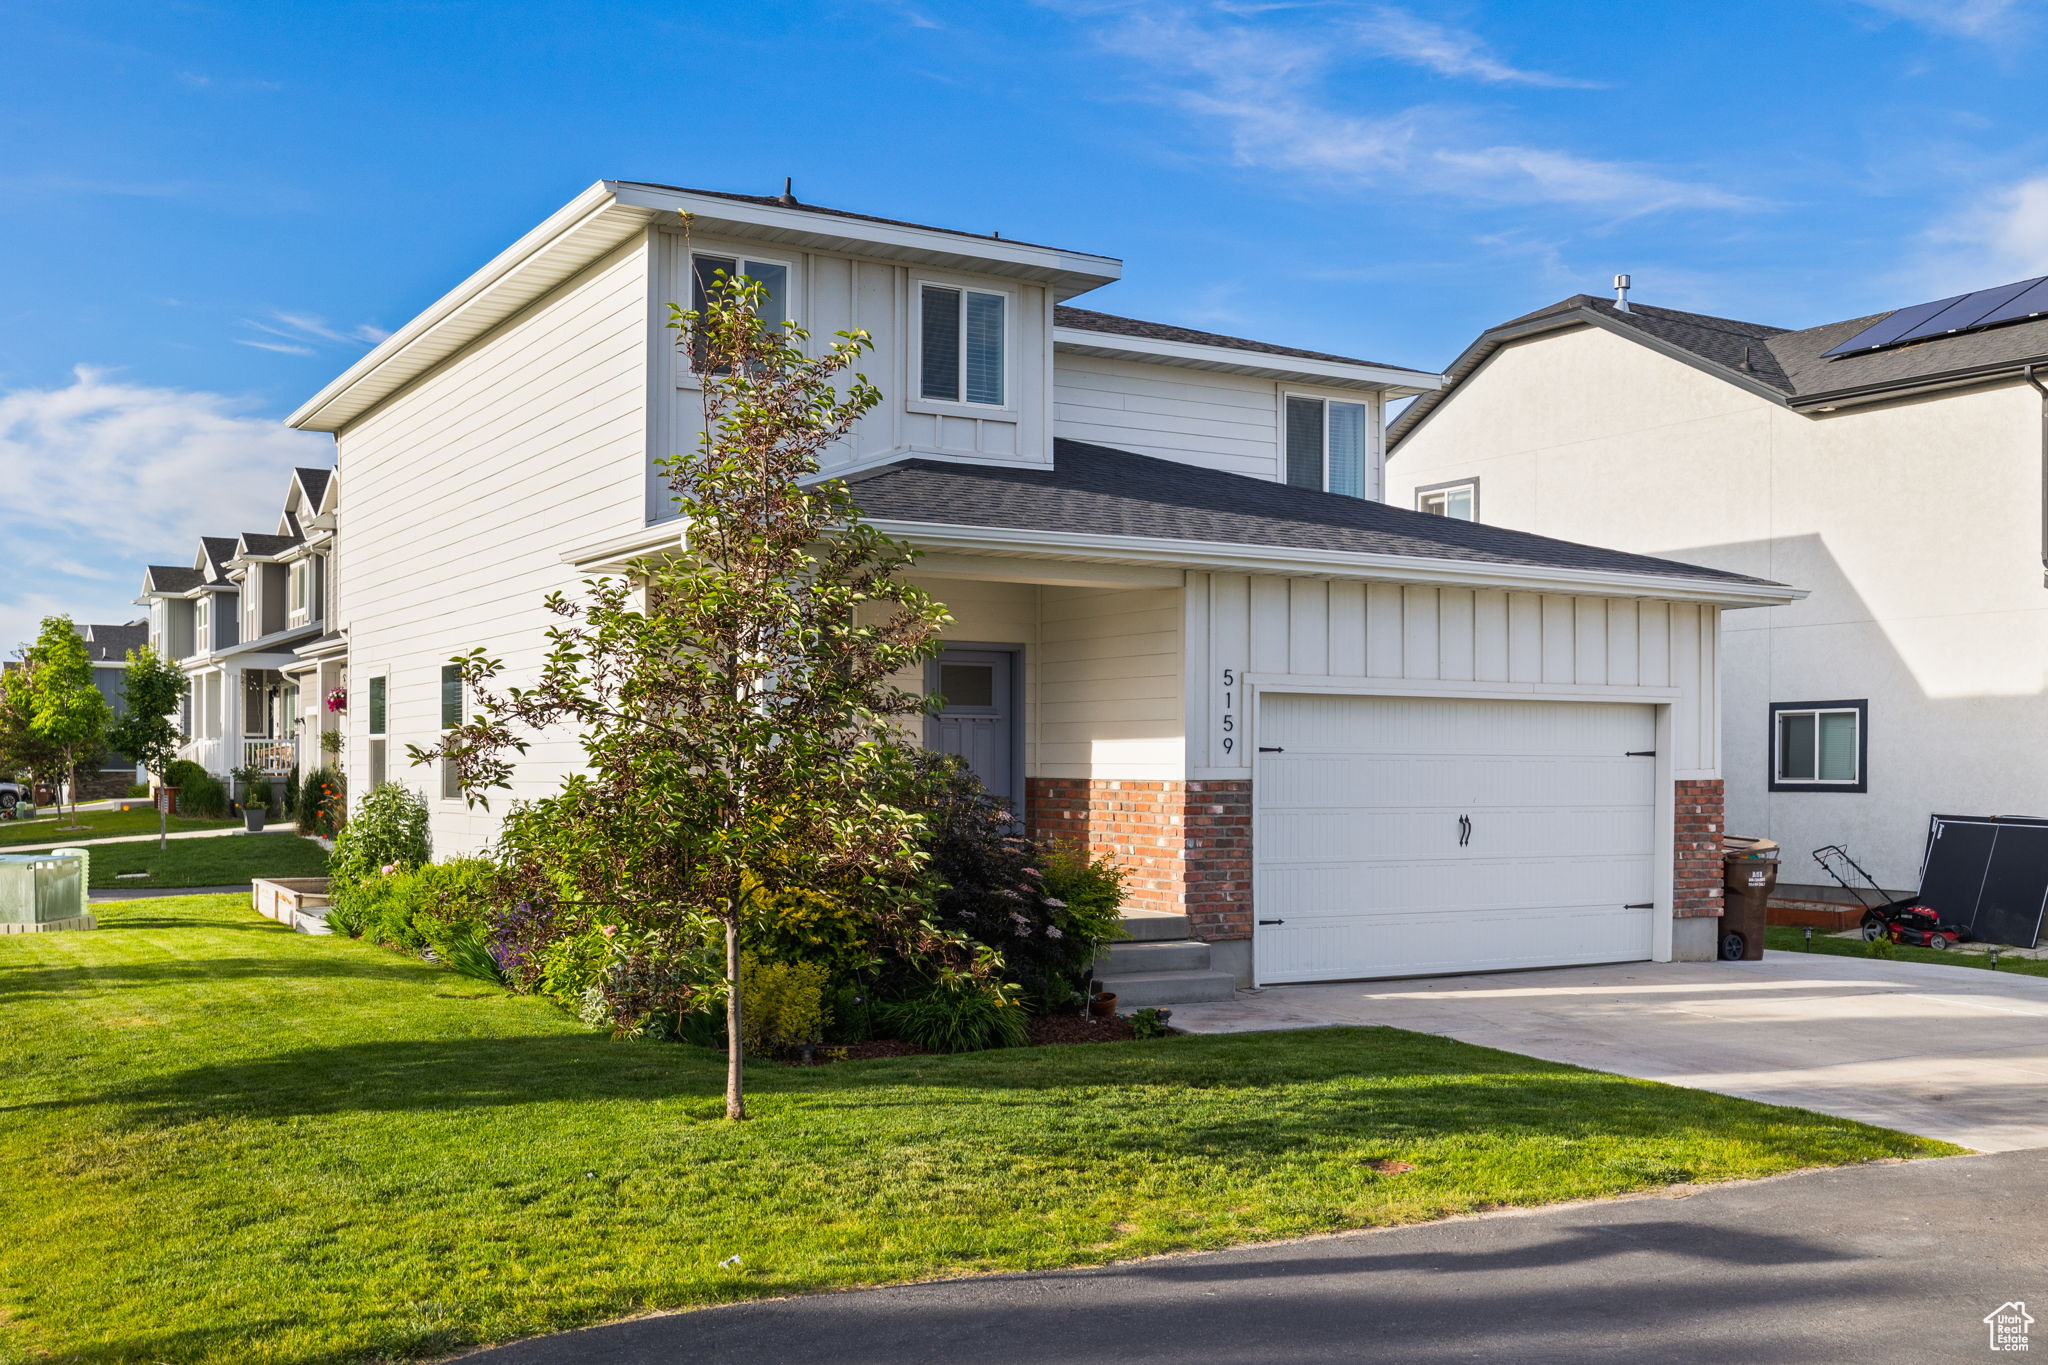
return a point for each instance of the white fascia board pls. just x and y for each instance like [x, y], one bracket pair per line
[1068, 272]
[610, 213]
[578, 233]
[1189, 355]
[615, 554]
[1228, 557]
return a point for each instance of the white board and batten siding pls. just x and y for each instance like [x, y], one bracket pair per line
[465, 489]
[833, 293]
[1252, 634]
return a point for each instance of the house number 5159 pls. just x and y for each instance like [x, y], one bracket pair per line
[1229, 710]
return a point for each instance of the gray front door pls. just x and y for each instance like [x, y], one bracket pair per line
[979, 720]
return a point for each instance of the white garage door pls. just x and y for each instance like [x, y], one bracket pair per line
[1399, 836]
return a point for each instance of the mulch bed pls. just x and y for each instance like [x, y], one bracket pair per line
[1042, 1032]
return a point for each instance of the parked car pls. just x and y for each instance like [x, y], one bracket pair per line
[12, 794]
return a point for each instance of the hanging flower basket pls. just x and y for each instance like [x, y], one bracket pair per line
[337, 700]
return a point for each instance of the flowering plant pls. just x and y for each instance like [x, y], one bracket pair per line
[337, 700]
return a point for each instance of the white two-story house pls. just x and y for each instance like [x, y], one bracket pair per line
[1893, 464]
[248, 622]
[1342, 738]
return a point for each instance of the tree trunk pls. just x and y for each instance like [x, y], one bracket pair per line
[71, 783]
[735, 1050]
[163, 819]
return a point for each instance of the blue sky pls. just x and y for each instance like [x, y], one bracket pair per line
[207, 210]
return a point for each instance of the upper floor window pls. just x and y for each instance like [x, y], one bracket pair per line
[1326, 445]
[712, 275]
[961, 345]
[1459, 500]
[1819, 746]
[202, 624]
[302, 573]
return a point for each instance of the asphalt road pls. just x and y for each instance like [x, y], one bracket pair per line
[1897, 1262]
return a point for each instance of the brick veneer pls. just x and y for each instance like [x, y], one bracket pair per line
[1696, 875]
[1187, 845]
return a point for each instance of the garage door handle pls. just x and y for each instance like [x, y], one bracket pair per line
[1275, 749]
[1640, 753]
[1272, 921]
[1464, 830]
[1646, 905]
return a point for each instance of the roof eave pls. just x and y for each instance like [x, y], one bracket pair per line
[611, 213]
[1242, 558]
[1386, 379]
[1484, 347]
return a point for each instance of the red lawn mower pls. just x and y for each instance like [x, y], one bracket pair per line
[1906, 921]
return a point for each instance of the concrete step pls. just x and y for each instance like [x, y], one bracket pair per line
[1140, 990]
[1160, 955]
[1147, 925]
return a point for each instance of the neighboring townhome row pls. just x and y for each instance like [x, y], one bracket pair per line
[248, 622]
[1894, 464]
[1344, 739]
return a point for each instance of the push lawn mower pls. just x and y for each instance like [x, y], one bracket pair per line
[1904, 921]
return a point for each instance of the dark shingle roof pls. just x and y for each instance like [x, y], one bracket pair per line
[1789, 366]
[1101, 491]
[257, 543]
[171, 578]
[110, 644]
[218, 550]
[1088, 320]
[775, 202]
[314, 481]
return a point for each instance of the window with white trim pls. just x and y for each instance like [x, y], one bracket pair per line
[1458, 501]
[202, 625]
[451, 716]
[711, 274]
[962, 345]
[1819, 746]
[375, 710]
[301, 572]
[1327, 444]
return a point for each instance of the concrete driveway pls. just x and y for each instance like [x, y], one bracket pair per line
[1958, 1053]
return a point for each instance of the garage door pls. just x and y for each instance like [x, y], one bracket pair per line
[1401, 836]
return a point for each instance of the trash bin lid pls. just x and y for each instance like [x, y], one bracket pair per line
[1748, 846]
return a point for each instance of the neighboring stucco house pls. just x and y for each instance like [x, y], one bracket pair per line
[248, 622]
[1343, 739]
[1899, 478]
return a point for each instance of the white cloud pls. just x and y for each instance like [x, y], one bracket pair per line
[2001, 238]
[305, 333]
[1407, 37]
[1265, 86]
[101, 477]
[1963, 18]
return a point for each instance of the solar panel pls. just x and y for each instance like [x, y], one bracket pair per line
[1890, 328]
[1958, 313]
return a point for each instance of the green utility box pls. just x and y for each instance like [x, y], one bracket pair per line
[42, 891]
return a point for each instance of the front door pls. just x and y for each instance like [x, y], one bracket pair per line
[979, 720]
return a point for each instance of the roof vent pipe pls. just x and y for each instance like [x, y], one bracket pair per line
[787, 197]
[1621, 283]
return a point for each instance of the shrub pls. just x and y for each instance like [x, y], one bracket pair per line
[318, 807]
[346, 919]
[388, 829]
[136, 789]
[957, 1013]
[291, 791]
[519, 932]
[638, 983]
[782, 1004]
[202, 795]
[1881, 946]
[465, 950]
[988, 884]
[1150, 1023]
[441, 907]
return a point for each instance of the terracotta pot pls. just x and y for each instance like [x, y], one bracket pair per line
[1102, 1006]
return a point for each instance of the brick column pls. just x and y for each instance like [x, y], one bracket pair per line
[1696, 879]
[1186, 845]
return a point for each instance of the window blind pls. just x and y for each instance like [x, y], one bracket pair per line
[1305, 442]
[939, 348]
[985, 348]
[451, 696]
[1347, 448]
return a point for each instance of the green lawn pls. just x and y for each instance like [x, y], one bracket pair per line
[47, 830]
[1793, 940]
[224, 861]
[228, 1142]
